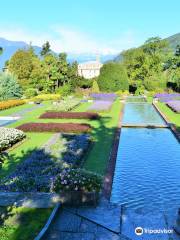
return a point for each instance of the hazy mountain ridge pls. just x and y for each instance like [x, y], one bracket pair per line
[173, 40]
[10, 47]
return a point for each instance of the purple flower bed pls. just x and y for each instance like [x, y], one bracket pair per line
[38, 172]
[104, 96]
[174, 105]
[166, 97]
[99, 105]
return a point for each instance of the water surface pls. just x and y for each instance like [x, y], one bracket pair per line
[147, 173]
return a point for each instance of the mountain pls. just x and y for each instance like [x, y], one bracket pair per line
[173, 40]
[10, 47]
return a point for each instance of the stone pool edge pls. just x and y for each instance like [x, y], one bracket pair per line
[170, 125]
[108, 178]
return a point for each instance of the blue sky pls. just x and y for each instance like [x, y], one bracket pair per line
[82, 26]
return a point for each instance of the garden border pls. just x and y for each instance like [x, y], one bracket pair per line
[108, 178]
[170, 125]
[48, 223]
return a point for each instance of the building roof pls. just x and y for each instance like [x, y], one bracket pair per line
[90, 65]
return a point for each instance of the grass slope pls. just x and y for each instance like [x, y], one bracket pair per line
[21, 223]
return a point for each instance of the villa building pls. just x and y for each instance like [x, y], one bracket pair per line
[89, 69]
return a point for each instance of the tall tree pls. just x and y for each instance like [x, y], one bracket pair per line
[46, 49]
[1, 50]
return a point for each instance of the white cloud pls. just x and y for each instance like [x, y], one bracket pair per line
[63, 39]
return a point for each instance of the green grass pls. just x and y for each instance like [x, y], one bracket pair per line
[21, 223]
[172, 116]
[103, 135]
[12, 110]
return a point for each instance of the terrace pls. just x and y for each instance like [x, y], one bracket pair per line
[53, 140]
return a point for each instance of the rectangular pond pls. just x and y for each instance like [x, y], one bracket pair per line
[141, 113]
[147, 173]
[7, 120]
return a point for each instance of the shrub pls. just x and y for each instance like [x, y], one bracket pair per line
[65, 105]
[113, 77]
[64, 90]
[54, 127]
[70, 115]
[9, 87]
[77, 180]
[46, 97]
[95, 87]
[11, 103]
[30, 92]
[9, 136]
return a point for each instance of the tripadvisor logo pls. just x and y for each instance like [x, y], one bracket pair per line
[138, 231]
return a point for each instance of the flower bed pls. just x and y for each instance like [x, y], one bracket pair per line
[11, 103]
[174, 105]
[166, 97]
[99, 105]
[70, 115]
[104, 96]
[9, 136]
[54, 127]
[65, 105]
[77, 180]
[40, 171]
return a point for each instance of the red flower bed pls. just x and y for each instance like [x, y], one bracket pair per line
[54, 127]
[71, 115]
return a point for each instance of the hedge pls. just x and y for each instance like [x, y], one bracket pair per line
[55, 127]
[11, 103]
[70, 115]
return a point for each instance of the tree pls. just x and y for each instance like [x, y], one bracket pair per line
[46, 49]
[21, 65]
[177, 51]
[1, 50]
[9, 87]
[113, 77]
[95, 87]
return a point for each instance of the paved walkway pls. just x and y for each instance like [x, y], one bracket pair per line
[29, 200]
[21, 113]
[87, 223]
[109, 222]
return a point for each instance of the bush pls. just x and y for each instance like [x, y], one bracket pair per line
[65, 105]
[9, 87]
[64, 90]
[30, 92]
[95, 87]
[77, 180]
[9, 136]
[113, 77]
[46, 97]
[70, 115]
[11, 103]
[55, 127]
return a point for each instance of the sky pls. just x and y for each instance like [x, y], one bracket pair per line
[89, 26]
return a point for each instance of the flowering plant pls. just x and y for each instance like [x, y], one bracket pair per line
[9, 136]
[77, 180]
[11, 103]
[65, 105]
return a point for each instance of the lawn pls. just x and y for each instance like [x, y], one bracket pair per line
[172, 116]
[21, 223]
